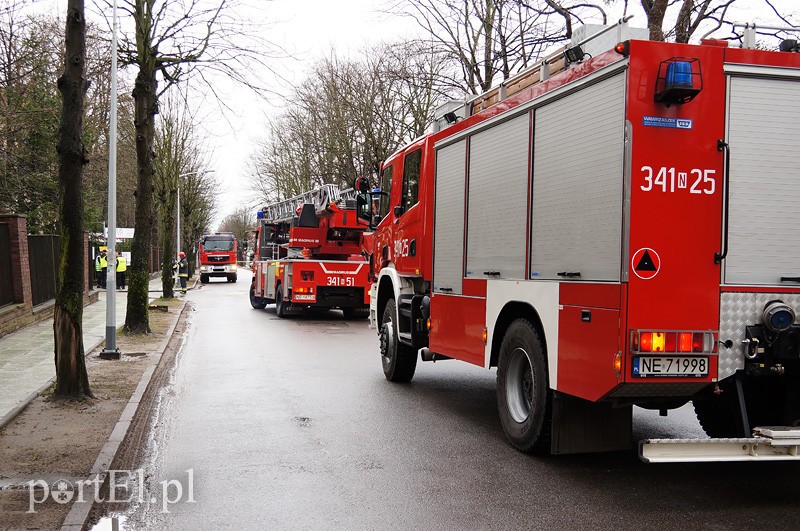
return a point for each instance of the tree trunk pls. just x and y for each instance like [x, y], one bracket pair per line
[655, 10]
[71, 376]
[167, 232]
[146, 106]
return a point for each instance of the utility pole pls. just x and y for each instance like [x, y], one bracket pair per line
[111, 351]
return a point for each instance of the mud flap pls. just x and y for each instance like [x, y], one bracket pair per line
[580, 426]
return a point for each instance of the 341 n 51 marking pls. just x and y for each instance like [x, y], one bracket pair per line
[665, 179]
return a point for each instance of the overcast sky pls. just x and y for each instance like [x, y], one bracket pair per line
[309, 30]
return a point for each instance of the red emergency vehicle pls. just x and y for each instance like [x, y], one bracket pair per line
[308, 255]
[609, 231]
[217, 254]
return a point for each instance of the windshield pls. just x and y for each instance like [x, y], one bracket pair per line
[218, 245]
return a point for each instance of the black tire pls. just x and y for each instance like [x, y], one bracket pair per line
[399, 360]
[720, 415]
[235, 278]
[524, 398]
[280, 304]
[256, 302]
[204, 279]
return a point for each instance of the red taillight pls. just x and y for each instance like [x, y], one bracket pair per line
[646, 342]
[697, 342]
[652, 341]
[669, 342]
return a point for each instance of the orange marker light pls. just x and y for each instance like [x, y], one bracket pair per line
[685, 342]
[658, 342]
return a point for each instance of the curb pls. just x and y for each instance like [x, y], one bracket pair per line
[79, 513]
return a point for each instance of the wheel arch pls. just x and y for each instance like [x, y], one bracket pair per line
[512, 311]
[390, 286]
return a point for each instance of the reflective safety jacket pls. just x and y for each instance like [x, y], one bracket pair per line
[100, 262]
[122, 264]
[183, 267]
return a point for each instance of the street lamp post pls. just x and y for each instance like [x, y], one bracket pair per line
[111, 351]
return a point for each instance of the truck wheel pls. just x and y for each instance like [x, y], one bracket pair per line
[234, 278]
[204, 279]
[719, 414]
[399, 360]
[523, 393]
[256, 302]
[280, 304]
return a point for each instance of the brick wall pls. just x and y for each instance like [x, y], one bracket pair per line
[15, 316]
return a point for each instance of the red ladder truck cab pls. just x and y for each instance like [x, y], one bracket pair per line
[217, 254]
[607, 232]
[308, 255]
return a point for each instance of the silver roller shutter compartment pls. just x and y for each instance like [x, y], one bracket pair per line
[448, 233]
[578, 183]
[498, 197]
[764, 208]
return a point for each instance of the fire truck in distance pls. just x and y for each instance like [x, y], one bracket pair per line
[217, 256]
[308, 255]
[609, 229]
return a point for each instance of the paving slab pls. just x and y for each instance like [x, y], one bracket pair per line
[26, 356]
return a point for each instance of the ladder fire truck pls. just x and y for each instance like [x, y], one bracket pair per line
[308, 255]
[607, 231]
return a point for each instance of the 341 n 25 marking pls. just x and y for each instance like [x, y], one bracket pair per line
[670, 180]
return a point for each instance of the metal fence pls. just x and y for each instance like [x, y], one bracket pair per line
[43, 253]
[6, 286]
[155, 259]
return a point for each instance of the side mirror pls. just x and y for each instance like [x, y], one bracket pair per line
[361, 185]
[398, 210]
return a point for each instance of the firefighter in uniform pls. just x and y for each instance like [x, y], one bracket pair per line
[101, 268]
[183, 270]
[122, 268]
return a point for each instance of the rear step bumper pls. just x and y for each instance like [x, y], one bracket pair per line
[769, 443]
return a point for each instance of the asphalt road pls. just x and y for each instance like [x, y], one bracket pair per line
[290, 424]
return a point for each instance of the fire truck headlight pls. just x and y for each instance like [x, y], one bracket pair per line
[233, 267]
[778, 316]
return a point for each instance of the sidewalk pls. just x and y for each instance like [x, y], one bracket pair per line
[26, 356]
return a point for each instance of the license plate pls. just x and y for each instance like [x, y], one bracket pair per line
[670, 366]
[300, 297]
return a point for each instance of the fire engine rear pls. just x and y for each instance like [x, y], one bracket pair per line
[308, 255]
[607, 231]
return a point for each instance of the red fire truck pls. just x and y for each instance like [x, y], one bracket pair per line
[609, 231]
[308, 255]
[217, 254]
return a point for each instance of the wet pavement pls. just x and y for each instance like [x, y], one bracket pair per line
[289, 424]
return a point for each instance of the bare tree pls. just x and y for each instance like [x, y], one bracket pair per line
[71, 376]
[346, 118]
[239, 222]
[481, 40]
[682, 20]
[173, 42]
